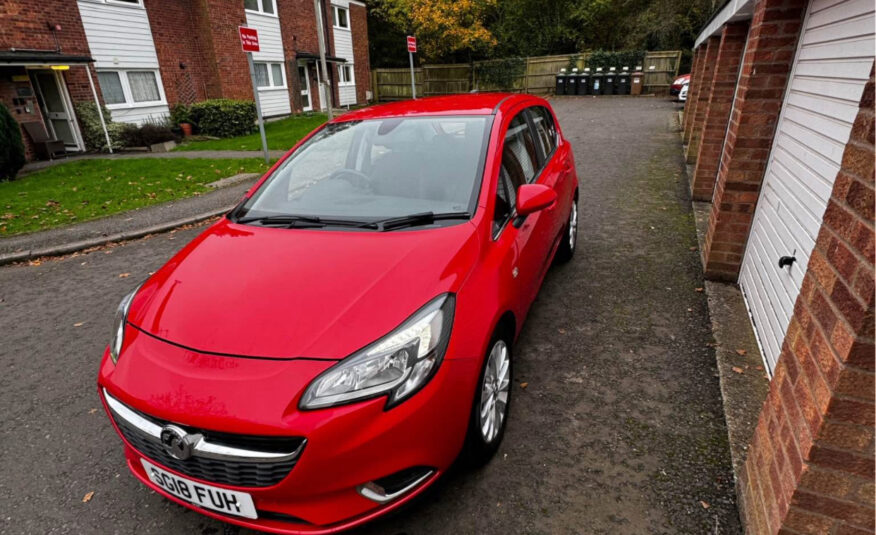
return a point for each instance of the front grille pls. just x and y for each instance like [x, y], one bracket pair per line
[226, 472]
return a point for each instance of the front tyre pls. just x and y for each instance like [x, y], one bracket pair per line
[566, 249]
[489, 413]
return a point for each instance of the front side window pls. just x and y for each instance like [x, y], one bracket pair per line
[262, 77]
[544, 129]
[129, 88]
[341, 17]
[519, 158]
[269, 75]
[379, 168]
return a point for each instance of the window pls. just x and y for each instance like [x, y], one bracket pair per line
[130, 88]
[341, 17]
[544, 129]
[519, 158]
[269, 75]
[505, 200]
[260, 6]
[144, 86]
[345, 75]
[111, 86]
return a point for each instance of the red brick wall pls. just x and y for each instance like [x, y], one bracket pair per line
[25, 24]
[359, 27]
[810, 465]
[298, 28]
[696, 79]
[717, 111]
[8, 92]
[176, 31]
[227, 72]
[707, 67]
[772, 42]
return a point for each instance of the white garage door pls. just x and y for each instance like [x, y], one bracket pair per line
[832, 66]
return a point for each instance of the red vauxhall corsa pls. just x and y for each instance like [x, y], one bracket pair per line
[324, 353]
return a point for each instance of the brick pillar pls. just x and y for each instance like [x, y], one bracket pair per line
[810, 464]
[772, 41]
[696, 76]
[717, 113]
[703, 94]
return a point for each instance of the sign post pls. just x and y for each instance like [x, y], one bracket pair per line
[412, 48]
[249, 41]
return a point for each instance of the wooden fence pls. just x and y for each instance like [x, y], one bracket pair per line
[538, 77]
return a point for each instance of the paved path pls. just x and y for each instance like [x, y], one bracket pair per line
[619, 430]
[190, 154]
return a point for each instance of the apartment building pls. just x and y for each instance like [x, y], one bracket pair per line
[144, 56]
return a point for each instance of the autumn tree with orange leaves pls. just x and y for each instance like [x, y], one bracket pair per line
[442, 27]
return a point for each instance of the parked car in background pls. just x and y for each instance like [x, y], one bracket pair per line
[678, 84]
[682, 95]
[323, 353]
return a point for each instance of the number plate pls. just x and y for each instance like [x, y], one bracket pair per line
[207, 496]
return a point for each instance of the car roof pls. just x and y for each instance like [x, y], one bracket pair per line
[462, 104]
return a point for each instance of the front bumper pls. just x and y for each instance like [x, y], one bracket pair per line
[347, 446]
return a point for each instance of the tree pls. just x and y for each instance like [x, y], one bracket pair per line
[444, 28]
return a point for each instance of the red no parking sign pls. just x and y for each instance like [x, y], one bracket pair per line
[412, 44]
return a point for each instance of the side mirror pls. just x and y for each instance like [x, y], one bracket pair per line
[532, 198]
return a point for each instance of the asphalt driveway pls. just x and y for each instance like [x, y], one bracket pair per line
[619, 427]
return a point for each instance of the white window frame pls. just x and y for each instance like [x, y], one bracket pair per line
[136, 4]
[271, 80]
[335, 9]
[352, 80]
[129, 96]
[260, 10]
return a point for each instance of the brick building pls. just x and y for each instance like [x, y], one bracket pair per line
[780, 126]
[144, 56]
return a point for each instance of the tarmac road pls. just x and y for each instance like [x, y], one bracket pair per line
[619, 429]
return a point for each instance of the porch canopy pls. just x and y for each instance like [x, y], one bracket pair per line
[309, 56]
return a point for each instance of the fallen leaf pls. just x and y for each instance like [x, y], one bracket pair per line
[87, 497]
[737, 369]
[524, 385]
[690, 310]
[704, 504]
[561, 331]
[699, 289]
[693, 248]
[80, 324]
[741, 352]
[124, 275]
[92, 411]
[35, 262]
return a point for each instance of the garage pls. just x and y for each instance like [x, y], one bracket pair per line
[830, 69]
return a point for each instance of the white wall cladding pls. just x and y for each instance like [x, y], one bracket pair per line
[120, 38]
[344, 49]
[832, 66]
[274, 101]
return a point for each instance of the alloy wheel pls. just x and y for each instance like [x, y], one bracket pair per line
[494, 392]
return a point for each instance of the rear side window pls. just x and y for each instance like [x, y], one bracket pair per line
[544, 129]
[519, 156]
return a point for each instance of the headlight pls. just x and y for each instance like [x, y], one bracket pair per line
[398, 364]
[119, 325]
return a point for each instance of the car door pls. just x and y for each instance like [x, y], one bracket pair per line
[522, 163]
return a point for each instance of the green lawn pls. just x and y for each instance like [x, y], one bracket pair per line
[89, 189]
[282, 135]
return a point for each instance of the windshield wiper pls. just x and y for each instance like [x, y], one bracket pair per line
[411, 220]
[283, 220]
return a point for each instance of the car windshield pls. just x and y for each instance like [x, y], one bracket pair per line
[377, 169]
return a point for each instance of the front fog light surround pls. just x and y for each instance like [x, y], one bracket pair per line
[119, 322]
[398, 364]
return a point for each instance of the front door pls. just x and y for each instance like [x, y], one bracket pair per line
[304, 82]
[55, 106]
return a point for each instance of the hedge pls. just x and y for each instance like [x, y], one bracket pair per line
[224, 117]
[11, 146]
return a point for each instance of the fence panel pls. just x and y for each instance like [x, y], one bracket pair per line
[539, 76]
[661, 68]
[517, 84]
[395, 84]
[446, 79]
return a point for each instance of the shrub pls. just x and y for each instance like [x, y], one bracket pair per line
[180, 113]
[132, 135]
[92, 131]
[223, 117]
[620, 59]
[11, 146]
